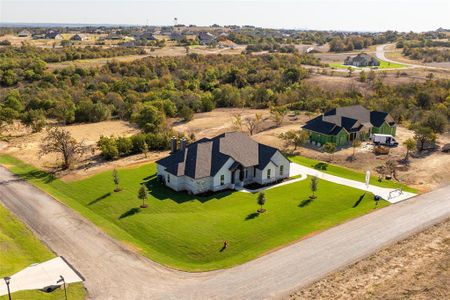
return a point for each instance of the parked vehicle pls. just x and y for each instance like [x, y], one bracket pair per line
[384, 139]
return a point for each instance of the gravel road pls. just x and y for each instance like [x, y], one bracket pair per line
[114, 272]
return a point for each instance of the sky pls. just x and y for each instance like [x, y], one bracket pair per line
[353, 15]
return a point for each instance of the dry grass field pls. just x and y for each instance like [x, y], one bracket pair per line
[424, 172]
[416, 268]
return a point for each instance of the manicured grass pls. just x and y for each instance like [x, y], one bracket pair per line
[188, 232]
[349, 174]
[383, 65]
[19, 249]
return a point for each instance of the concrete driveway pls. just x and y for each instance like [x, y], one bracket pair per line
[390, 195]
[112, 271]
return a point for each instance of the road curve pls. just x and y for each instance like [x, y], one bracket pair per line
[114, 272]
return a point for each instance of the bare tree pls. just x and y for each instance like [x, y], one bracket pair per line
[61, 141]
[252, 124]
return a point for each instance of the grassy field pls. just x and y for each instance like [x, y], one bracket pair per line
[383, 65]
[349, 174]
[19, 249]
[188, 232]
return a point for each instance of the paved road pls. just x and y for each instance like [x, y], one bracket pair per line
[113, 272]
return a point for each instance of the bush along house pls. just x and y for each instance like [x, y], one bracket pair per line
[228, 161]
[342, 125]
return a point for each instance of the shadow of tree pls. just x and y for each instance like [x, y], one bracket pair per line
[100, 198]
[305, 202]
[359, 200]
[38, 174]
[130, 212]
[251, 216]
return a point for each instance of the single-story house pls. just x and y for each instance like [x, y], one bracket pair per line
[148, 36]
[24, 33]
[228, 161]
[342, 125]
[362, 60]
[177, 36]
[79, 37]
[53, 35]
[206, 38]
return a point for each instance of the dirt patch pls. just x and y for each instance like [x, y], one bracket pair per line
[416, 268]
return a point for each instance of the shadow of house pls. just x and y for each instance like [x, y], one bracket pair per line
[161, 192]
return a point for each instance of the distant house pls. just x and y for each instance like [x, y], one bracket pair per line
[114, 36]
[38, 36]
[230, 160]
[147, 36]
[53, 35]
[176, 36]
[79, 37]
[24, 33]
[206, 38]
[361, 60]
[344, 124]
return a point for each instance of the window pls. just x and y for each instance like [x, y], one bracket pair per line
[222, 179]
[168, 178]
[281, 170]
[246, 173]
[268, 173]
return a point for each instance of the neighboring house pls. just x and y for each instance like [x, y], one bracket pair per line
[176, 36]
[114, 36]
[53, 35]
[362, 60]
[24, 33]
[206, 38]
[38, 36]
[79, 37]
[230, 160]
[344, 124]
[147, 36]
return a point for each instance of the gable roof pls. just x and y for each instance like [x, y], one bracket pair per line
[351, 118]
[207, 156]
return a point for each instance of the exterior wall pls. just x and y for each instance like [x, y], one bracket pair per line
[225, 170]
[274, 165]
[340, 139]
[385, 129]
[176, 183]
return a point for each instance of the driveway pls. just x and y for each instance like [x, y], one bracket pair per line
[391, 195]
[112, 271]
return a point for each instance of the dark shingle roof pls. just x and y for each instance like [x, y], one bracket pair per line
[206, 156]
[352, 118]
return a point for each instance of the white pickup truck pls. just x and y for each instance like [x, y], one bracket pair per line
[384, 139]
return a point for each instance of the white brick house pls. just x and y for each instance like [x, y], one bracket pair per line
[226, 161]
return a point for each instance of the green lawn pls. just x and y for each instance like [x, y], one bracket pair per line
[188, 232]
[383, 65]
[19, 249]
[349, 174]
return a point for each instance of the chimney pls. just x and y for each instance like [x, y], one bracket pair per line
[183, 144]
[173, 145]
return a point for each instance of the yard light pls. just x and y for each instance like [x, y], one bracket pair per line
[7, 281]
[61, 279]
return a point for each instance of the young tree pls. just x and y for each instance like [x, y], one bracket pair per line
[362, 76]
[410, 145]
[350, 71]
[61, 141]
[329, 148]
[237, 122]
[252, 124]
[116, 180]
[277, 114]
[261, 200]
[143, 195]
[355, 144]
[423, 136]
[145, 149]
[391, 166]
[295, 138]
[313, 185]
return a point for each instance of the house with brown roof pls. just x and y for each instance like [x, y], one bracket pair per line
[227, 161]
